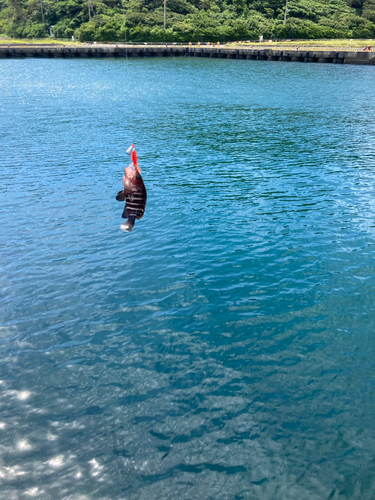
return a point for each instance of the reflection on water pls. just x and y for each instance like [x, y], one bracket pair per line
[224, 349]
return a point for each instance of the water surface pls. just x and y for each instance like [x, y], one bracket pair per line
[223, 350]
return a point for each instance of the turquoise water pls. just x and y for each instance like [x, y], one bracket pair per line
[225, 348]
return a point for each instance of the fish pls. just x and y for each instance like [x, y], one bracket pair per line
[135, 196]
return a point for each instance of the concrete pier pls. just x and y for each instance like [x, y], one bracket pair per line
[261, 54]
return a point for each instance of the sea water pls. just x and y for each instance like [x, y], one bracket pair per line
[225, 349]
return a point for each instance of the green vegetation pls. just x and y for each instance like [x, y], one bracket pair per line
[187, 20]
[331, 44]
[5, 40]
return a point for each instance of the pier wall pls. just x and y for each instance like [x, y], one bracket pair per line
[262, 54]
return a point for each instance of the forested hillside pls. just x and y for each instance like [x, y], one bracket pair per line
[187, 20]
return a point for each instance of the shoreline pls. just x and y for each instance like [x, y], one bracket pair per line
[311, 55]
[312, 44]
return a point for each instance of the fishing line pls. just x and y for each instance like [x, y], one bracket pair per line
[126, 46]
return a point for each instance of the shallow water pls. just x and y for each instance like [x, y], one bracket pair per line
[223, 350]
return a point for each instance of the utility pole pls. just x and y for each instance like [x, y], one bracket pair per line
[165, 14]
[8, 19]
[123, 14]
[286, 11]
[42, 9]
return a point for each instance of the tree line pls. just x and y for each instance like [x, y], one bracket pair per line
[187, 20]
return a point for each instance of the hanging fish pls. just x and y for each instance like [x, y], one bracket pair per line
[134, 192]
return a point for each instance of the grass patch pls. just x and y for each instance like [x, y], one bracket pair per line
[27, 41]
[314, 44]
[335, 44]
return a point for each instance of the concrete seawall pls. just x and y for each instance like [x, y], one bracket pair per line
[262, 54]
